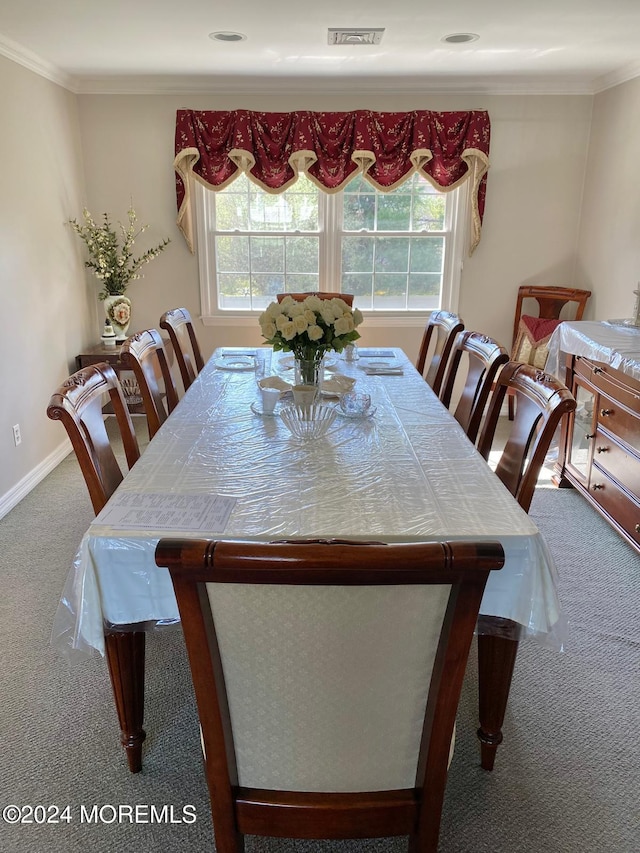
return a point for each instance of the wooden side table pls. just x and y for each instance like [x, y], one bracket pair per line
[111, 354]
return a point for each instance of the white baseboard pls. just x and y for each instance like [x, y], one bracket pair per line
[22, 489]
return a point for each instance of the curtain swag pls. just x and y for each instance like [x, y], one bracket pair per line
[447, 148]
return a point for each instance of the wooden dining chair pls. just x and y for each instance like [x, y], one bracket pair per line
[78, 405]
[293, 646]
[182, 335]
[484, 358]
[445, 326]
[531, 334]
[321, 294]
[541, 403]
[144, 354]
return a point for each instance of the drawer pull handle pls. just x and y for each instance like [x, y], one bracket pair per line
[602, 449]
[637, 528]
[605, 412]
[598, 370]
[590, 436]
[597, 486]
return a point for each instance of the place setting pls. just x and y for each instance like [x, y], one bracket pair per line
[236, 360]
[379, 362]
[267, 404]
[331, 387]
[274, 394]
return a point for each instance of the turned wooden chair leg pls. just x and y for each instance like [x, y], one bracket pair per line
[496, 662]
[125, 657]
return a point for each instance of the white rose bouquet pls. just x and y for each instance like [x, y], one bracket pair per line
[311, 327]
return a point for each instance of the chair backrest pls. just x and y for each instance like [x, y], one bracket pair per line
[541, 402]
[78, 404]
[551, 301]
[445, 326]
[292, 645]
[485, 357]
[182, 335]
[144, 354]
[321, 294]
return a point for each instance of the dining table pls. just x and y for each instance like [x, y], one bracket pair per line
[221, 468]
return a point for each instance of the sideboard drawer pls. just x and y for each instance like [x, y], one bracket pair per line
[613, 383]
[620, 422]
[623, 465]
[617, 503]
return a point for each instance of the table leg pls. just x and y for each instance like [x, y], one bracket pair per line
[497, 650]
[125, 657]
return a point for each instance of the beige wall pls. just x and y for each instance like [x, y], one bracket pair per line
[538, 153]
[45, 300]
[609, 243]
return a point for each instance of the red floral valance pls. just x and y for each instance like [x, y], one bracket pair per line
[447, 148]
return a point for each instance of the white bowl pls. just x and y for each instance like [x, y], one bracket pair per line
[308, 421]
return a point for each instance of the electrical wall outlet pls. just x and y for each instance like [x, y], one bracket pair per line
[17, 438]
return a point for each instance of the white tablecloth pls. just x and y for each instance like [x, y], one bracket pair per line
[618, 346]
[408, 474]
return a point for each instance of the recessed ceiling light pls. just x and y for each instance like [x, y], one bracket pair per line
[460, 38]
[227, 36]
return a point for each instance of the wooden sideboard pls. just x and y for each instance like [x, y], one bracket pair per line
[600, 445]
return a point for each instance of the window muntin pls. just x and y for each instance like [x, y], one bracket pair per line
[262, 244]
[391, 250]
[413, 206]
[396, 261]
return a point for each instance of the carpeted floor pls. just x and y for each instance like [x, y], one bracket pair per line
[567, 779]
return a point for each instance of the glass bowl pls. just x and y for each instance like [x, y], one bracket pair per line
[355, 405]
[308, 421]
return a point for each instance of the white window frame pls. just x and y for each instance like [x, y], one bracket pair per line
[330, 262]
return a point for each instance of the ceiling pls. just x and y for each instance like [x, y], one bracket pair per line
[562, 46]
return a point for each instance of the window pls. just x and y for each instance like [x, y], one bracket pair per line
[397, 252]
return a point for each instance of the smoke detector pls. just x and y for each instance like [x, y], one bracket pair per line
[354, 36]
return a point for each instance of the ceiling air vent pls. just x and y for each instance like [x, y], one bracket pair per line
[354, 36]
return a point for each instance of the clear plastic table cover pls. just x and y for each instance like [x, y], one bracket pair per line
[618, 346]
[407, 474]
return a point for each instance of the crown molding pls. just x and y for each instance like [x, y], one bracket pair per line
[488, 85]
[19, 54]
[615, 78]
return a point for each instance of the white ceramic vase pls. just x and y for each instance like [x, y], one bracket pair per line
[118, 311]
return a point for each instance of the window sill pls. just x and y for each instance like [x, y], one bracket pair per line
[372, 319]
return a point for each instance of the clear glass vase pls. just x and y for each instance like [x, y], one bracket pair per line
[309, 371]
